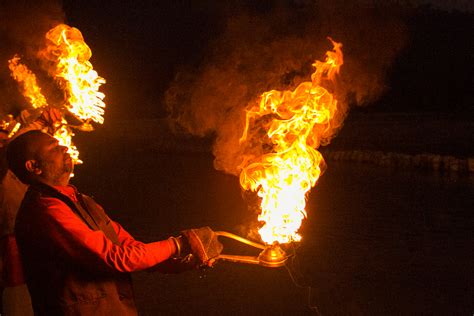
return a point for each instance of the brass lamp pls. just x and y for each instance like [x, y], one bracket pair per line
[271, 256]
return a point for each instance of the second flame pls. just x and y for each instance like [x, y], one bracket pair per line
[293, 122]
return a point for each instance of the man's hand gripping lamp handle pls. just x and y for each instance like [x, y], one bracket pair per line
[271, 256]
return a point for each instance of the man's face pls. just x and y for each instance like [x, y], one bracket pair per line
[53, 160]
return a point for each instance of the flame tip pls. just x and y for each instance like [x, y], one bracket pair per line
[284, 172]
[66, 59]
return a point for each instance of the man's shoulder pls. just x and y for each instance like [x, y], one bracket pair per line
[38, 199]
[37, 209]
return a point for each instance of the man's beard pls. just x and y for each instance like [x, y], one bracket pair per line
[52, 172]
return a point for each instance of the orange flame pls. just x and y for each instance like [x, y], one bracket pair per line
[68, 57]
[32, 92]
[64, 136]
[73, 70]
[294, 122]
[27, 80]
[9, 124]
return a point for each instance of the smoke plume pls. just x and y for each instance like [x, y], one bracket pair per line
[22, 28]
[273, 49]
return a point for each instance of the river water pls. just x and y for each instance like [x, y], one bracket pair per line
[377, 241]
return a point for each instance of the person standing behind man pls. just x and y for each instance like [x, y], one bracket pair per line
[15, 299]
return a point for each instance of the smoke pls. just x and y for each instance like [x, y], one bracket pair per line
[273, 48]
[23, 25]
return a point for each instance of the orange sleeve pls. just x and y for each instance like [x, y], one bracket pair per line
[73, 238]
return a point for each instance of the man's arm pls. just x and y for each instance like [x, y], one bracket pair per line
[123, 236]
[62, 228]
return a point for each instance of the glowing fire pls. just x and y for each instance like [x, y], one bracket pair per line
[69, 53]
[64, 136]
[293, 122]
[66, 57]
[9, 124]
[27, 80]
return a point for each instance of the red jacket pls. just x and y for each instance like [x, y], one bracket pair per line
[76, 260]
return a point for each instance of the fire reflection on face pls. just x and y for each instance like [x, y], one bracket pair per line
[53, 160]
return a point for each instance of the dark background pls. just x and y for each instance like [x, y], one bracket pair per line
[139, 46]
[377, 241]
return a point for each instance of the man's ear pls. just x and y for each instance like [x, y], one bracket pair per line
[32, 166]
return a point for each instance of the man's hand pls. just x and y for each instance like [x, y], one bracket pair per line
[49, 116]
[202, 243]
[40, 118]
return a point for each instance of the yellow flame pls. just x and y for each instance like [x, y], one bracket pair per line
[283, 176]
[68, 56]
[64, 136]
[73, 70]
[27, 80]
[32, 92]
[15, 129]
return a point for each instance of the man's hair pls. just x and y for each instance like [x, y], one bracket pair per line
[20, 150]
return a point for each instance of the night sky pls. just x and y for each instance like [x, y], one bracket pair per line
[140, 47]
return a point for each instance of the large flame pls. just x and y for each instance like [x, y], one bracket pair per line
[66, 57]
[294, 122]
[27, 80]
[68, 51]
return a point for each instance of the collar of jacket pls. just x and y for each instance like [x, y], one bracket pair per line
[85, 209]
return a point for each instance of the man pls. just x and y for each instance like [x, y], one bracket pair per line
[15, 299]
[76, 260]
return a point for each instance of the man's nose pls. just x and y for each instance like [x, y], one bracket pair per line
[64, 148]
